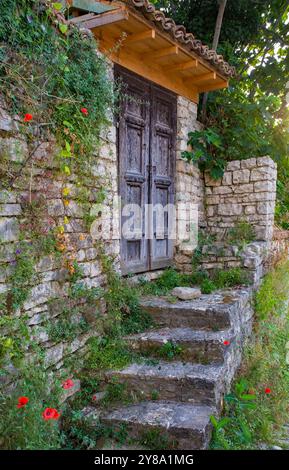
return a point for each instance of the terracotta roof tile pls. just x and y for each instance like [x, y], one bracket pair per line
[180, 33]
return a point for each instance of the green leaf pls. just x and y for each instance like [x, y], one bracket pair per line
[248, 397]
[63, 28]
[57, 6]
[214, 421]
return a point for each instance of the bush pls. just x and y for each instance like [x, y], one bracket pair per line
[230, 278]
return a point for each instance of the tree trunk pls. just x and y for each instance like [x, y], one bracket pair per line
[218, 27]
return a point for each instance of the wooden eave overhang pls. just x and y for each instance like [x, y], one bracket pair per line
[129, 39]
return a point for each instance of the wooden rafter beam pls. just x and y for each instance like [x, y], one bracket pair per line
[215, 86]
[166, 52]
[143, 36]
[105, 18]
[189, 65]
[198, 79]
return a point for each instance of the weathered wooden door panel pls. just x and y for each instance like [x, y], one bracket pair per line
[146, 147]
[163, 136]
[133, 144]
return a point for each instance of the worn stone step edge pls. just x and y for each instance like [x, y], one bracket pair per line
[178, 381]
[187, 426]
[197, 346]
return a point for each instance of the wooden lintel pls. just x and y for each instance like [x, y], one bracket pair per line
[205, 77]
[144, 35]
[82, 18]
[191, 64]
[106, 18]
[167, 51]
[215, 86]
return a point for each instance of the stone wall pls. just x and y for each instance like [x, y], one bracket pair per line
[39, 180]
[190, 189]
[247, 192]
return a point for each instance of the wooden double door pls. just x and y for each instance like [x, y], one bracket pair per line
[146, 152]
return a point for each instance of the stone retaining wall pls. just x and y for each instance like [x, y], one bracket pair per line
[190, 190]
[40, 181]
[247, 192]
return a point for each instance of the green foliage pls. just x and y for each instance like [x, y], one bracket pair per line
[122, 299]
[107, 353]
[251, 416]
[171, 278]
[116, 392]
[208, 286]
[206, 148]
[230, 278]
[168, 280]
[68, 75]
[251, 118]
[155, 440]
[273, 293]
[170, 350]
[67, 330]
[241, 234]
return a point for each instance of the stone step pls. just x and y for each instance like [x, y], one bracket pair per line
[182, 425]
[201, 347]
[215, 312]
[184, 382]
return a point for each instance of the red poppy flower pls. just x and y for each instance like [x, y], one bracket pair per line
[84, 111]
[50, 413]
[67, 384]
[227, 343]
[28, 117]
[267, 391]
[22, 401]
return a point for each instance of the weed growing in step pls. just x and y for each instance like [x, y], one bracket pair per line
[258, 409]
[208, 286]
[108, 353]
[230, 278]
[155, 440]
[171, 278]
[170, 350]
[242, 234]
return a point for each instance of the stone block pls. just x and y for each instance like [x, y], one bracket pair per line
[263, 186]
[9, 229]
[243, 188]
[234, 165]
[266, 161]
[10, 210]
[209, 181]
[53, 355]
[249, 163]
[227, 178]
[186, 293]
[263, 174]
[222, 190]
[14, 150]
[7, 123]
[250, 210]
[55, 207]
[266, 208]
[7, 197]
[230, 209]
[241, 176]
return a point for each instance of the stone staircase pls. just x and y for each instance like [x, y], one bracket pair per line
[178, 396]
